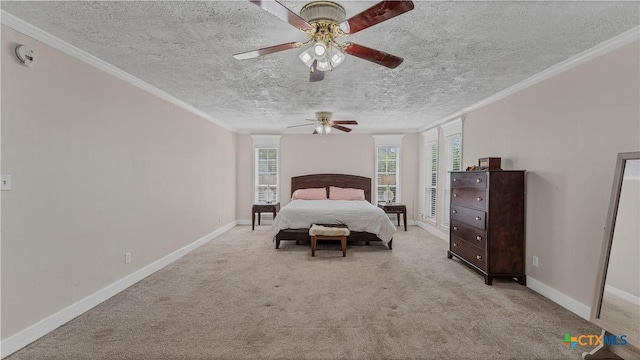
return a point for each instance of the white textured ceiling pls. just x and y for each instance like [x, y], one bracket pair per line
[456, 54]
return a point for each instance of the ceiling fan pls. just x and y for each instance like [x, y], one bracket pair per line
[324, 123]
[323, 22]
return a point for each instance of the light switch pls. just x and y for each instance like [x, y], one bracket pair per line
[5, 182]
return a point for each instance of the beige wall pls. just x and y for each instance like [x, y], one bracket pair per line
[312, 154]
[566, 132]
[244, 176]
[99, 168]
[409, 171]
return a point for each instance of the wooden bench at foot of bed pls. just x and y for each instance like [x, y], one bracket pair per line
[303, 235]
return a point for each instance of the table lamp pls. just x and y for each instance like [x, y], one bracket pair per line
[388, 180]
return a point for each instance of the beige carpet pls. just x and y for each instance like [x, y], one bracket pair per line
[238, 297]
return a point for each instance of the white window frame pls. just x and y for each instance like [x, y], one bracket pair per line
[430, 211]
[261, 142]
[388, 141]
[451, 132]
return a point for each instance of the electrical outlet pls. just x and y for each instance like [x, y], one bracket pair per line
[5, 181]
[535, 261]
[127, 257]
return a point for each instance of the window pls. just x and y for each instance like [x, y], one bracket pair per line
[452, 160]
[266, 168]
[431, 175]
[387, 166]
[266, 174]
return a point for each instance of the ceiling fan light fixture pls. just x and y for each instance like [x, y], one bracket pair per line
[319, 49]
[323, 64]
[307, 57]
[319, 129]
[336, 56]
[323, 22]
[327, 129]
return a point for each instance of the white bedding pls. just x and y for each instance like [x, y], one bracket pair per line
[357, 215]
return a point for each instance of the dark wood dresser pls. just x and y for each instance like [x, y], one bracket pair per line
[487, 222]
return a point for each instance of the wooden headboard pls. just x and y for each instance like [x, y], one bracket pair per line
[326, 180]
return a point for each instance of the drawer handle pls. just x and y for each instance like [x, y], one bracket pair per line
[454, 211]
[478, 257]
[479, 238]
[478, 218]
[455, 179]
[479, 198]
[455, 244]
[455, 195]
[478, 180]
[455, 228]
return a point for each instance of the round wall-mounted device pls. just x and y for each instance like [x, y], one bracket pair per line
[25, 55]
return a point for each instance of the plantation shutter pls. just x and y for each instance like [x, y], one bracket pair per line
[453, 162]
[431, 174]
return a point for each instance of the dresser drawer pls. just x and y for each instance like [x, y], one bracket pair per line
[469, 197]
[471, 179]
[472, 254]
[470, 234]
[475, 218]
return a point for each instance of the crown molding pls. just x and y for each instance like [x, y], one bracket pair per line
[38, 34]
[596, 51]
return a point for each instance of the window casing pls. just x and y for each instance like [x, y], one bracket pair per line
[266, 172]
[266, 168]
[452, 161]
[387, 164]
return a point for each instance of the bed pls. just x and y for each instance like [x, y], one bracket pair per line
[367, 222]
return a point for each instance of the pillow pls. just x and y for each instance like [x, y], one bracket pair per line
[336, 193]
[310, 194]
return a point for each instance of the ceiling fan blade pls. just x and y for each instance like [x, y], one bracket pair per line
[283, 13]
[340, 127]
[266, 51]
[292, 126]
[345, 122]
[315, 74]
[376, 14]
[373, 55]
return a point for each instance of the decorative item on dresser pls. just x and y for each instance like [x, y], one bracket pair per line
[487, 222]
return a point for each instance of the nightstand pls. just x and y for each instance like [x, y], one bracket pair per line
[260, 208]
[397, 209]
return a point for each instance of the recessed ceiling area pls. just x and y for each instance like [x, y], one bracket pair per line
[455, 54]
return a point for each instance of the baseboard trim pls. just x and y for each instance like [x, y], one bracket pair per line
[622, 294]
[559, 298]
[43, 327]
[432, 230]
